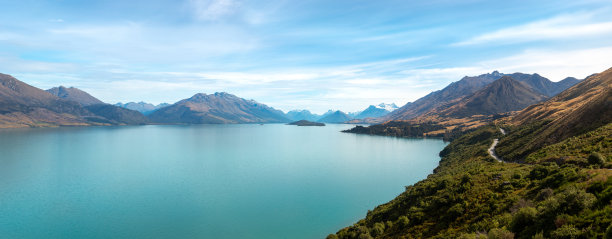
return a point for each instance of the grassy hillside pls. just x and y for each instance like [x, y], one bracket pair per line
[471, 196]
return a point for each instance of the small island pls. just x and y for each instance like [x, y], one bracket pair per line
[306, 123]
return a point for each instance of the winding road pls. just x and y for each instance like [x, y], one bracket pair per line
[492, 148]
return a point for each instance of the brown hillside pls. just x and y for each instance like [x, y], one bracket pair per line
[581, 108]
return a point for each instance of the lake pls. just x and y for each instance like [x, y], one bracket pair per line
[200, 181]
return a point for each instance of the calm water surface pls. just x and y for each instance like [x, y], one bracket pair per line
[205, 181]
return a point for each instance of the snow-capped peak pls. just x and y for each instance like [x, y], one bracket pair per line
[389, 107]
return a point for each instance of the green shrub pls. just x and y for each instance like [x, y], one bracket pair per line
[378, 229]
[403, 221]
[544, 194]
[525, 217]
[365, 236]
[539, 235]
[596, 159]
[566, 232]
[608, 234]
[500, 233]
[331, 236]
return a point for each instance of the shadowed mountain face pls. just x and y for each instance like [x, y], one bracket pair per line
[469, 85]
[297, 115]
[142, 107]
[503, 95]
[335, 117]
[218, 108]
[74, 94]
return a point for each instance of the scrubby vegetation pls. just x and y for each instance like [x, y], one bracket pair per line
[562, 190]
[397, 129]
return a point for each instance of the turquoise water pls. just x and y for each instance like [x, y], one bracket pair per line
[204, 181]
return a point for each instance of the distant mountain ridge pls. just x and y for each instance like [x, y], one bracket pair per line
[142, 107]
[296, 115]
[375, 111]
[334, 117]
[217, 108]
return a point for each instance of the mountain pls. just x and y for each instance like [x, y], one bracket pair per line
[74, 94]
[375, 111]
[503, 95]
[22, 105]
[334, 117]
[389, 107]
[217, 108]
[142, 107]
[581, 108]
[296, 115]
[110, 114]
[469, 85]
[543, 85]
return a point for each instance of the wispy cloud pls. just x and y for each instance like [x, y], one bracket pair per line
[213, 10]
[555, 64]
[559, 27]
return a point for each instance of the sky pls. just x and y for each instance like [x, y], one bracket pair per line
[315, 55]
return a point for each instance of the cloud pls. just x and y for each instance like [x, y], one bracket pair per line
[213, 10]
[555, 64]
[559, 27]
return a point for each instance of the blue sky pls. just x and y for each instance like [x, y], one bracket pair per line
[315, 55]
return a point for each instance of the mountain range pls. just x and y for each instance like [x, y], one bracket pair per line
[142, 107]
[469, 99]
[334, 117]
[503, 95]
[374, 111]
[469, 85]
[466, 105]
[296, 115]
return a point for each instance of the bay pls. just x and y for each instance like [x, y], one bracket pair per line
[200, 181]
